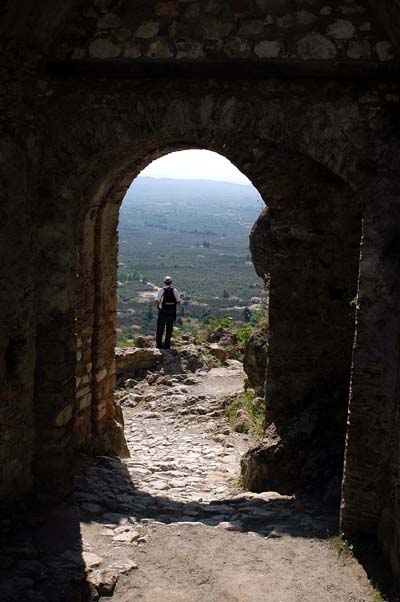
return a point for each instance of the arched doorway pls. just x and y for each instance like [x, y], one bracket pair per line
[308, 242]
[311, 237]
[189, 214]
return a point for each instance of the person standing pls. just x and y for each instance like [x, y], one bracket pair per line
[167, 299]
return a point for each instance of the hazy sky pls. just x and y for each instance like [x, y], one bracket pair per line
[195, 165]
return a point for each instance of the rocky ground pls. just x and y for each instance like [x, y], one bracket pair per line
[170, 523]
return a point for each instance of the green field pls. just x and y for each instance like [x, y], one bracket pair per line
[197, 231]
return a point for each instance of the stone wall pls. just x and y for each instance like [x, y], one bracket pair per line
[316, 221]
[250, 30]
[308, 244]
[315, 217]
[17, 330]
[73, 141]
[371, 484]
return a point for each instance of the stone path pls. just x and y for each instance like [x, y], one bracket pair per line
[178, 442]
[170, 524]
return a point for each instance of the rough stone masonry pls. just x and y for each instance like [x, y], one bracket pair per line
[303, 97]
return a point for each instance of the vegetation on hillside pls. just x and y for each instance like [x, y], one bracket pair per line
[197, 231]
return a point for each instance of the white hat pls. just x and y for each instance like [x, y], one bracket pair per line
[167, 279]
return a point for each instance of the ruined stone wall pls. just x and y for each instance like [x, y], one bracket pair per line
[17, 354]
[56, 342]
[108, 134]
[307, 242]
[250, 30]
[17, 310]
[371, 484]
[71, 146]
[119, 130]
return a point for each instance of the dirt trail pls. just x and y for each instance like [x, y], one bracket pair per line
[169, 524]
[193, 535]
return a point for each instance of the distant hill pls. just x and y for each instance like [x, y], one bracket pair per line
[187, 188]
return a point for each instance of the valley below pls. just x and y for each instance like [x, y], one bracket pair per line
[197, 231]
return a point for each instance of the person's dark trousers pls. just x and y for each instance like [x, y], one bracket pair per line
[165, 321]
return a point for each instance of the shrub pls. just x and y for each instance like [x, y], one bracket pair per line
[124, 342]
[243, 334]
[255, 412]
[214, 323]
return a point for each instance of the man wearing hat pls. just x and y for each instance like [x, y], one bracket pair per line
[167, 299]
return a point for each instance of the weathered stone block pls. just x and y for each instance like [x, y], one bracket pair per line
[101, 375]
[268, 50]
[384, 51]
[341, 30]
[136, 359]
[218, 352]
[103, 581]
[315, 46]
[359, 49]
[85, 401]
[64, 416]
[147, 30]
[82, 392]
[325, 11]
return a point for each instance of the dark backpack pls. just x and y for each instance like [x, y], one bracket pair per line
[168, 298]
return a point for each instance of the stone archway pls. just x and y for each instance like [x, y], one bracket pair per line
[313, 222]
[86, 134]
[87, 87]
[96, 154]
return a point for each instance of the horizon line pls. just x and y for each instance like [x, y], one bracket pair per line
[249, 184]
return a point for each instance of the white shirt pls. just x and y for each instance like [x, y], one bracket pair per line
[160, 293]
